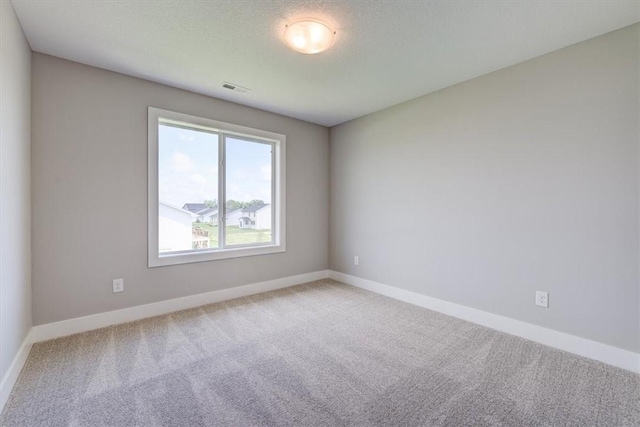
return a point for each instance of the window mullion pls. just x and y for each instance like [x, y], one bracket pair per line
[222, 197]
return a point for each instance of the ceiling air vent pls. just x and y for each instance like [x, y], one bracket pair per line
[234, 87]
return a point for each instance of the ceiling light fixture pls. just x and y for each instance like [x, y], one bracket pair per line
[309, 36]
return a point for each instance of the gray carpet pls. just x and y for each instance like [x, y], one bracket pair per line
[319, 354]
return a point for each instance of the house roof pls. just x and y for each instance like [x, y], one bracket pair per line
[253, 208]
[176, 208]
[207, 211]
[195, 207]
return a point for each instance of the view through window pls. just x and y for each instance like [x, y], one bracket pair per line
[187, 188]
[215, 190]
[248, 192]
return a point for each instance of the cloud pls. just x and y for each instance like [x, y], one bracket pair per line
[240, 174]
[265, 172]
[179, 188]
[247, 192]
[198, 179]
[181, 162]
[234, 192]
[186, 137]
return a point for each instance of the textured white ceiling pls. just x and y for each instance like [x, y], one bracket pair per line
[385, 52]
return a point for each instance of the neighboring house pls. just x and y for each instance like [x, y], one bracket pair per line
[207, 214]
[174, 225]
[212, 217]
[251, 217]
[195, 207]
[256, 217]
[233, 217]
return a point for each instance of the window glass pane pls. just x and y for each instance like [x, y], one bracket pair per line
[188, 189]
[248, 192]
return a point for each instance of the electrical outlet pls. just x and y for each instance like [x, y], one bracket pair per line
[542, 299]
[118, 285]
[356, 260]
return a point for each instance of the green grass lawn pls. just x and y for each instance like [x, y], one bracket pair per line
[235, 235]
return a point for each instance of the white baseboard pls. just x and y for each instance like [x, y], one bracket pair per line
[82, 324]
[573, 344]
[12, 374]
[581, 346]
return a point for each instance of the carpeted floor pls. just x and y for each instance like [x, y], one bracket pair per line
[322, 353]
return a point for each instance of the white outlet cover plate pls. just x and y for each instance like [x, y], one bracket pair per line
[542, 299]
[118, 285]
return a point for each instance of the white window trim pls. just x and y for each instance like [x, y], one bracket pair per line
[155, 259]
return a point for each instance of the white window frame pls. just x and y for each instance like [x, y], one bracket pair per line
[278, 180]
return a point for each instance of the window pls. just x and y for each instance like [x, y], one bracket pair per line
[216, 190]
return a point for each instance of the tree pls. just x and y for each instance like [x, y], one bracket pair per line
[211, 203]
[234, 204]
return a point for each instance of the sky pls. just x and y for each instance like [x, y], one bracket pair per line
[188, 167]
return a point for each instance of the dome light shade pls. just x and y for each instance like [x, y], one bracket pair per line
[308, 36]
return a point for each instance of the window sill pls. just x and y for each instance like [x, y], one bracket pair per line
[213, 255]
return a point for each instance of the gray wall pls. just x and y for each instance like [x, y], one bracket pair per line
[90, 193]
[521, 180]
[15, 187]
